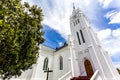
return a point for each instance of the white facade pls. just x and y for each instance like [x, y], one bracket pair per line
[87, 47]
[53, 63]
[83, 51]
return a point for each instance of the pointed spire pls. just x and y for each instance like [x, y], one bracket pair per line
[73, 6]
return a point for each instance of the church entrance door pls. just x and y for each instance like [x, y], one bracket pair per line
[88, 68]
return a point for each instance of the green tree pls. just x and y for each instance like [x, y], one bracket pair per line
[20, 34]
[118, 70]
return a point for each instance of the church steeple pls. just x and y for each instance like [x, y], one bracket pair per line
[87, 49]
[73, 6]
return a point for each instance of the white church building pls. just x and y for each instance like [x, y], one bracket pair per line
[81, 58]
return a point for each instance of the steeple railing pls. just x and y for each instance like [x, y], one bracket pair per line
[96, 76]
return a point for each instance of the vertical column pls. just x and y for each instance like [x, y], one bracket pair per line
[74, 63]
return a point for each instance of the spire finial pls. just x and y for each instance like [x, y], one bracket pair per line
[73, 6]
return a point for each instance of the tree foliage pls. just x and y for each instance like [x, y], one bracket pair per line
[118, 70]
[20, 34]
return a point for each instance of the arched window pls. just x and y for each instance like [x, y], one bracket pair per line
[45, 65]
[61, 63]
[82, 36]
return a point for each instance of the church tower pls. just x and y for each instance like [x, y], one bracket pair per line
[91, 58]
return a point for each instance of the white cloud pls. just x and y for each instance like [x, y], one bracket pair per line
[110, 13]
[116, 33]
[117, 64]
[57, 12]
[105, 3]
[114, 4]
[104, 34]
[110, 40]
[60, 44]
[110, 3]
[113, 16]
[58, 16]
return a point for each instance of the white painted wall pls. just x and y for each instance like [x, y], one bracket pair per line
[38, 72]
[64, 52]
[53, 57]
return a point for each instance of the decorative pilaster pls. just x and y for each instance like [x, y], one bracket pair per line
[74, 63]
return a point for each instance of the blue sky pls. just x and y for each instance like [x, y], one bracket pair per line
[53, 38]
[104, 16]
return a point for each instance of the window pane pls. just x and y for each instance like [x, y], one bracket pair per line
[78, 38]
[45, 65]
[82, 36]
[61, 63]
